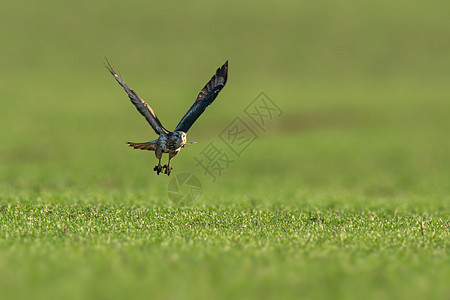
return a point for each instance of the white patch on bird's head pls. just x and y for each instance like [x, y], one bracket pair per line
[182, 135]
[181, 138]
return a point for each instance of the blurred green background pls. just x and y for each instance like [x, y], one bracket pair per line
[364, 88]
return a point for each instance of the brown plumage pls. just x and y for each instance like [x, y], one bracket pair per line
[168, 141]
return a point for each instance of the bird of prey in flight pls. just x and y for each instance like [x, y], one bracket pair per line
[172, 141]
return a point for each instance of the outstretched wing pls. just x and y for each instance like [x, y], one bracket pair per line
[204, 98]
[140, 104]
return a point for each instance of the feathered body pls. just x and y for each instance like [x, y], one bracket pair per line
[171, 142]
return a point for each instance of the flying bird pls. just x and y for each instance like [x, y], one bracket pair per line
[171, 142]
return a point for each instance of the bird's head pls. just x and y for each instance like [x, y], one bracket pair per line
[181, 137]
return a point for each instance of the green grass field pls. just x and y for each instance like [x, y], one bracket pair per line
[345, 195]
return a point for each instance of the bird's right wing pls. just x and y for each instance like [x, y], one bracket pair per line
[140, 104]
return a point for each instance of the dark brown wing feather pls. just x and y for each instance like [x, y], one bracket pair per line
[140, 104]
[204, 98]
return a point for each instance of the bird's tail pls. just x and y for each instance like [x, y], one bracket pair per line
[150, 146]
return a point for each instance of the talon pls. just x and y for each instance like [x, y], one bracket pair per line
[158, 169]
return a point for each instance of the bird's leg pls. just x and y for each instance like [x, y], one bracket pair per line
[158, 167]
[167, 167]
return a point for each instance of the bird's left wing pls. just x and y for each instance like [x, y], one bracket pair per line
[204, 98]
[140, 104]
